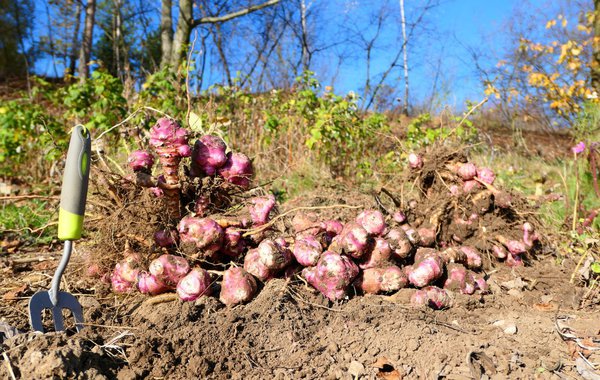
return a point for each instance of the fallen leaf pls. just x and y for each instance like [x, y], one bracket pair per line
[14, 294]
[386, 370]
[545, 307]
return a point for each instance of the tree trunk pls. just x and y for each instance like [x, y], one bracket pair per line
[87, 40]
[182, 35]
[405, 53]
[166, 33]
[595, 64]
[305, 52]
[75, 41]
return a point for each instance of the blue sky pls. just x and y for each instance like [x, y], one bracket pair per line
[455, 23]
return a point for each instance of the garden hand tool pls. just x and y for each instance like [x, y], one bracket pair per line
[70, 223]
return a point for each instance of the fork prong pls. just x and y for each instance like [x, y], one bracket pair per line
[58, 318]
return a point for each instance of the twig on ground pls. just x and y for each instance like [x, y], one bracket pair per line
[9, 366]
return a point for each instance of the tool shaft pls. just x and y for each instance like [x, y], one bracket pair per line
[53, 292]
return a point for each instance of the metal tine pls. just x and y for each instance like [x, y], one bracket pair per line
[58, 319]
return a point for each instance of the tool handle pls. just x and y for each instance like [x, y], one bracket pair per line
[75, 185]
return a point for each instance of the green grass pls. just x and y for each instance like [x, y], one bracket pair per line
[28, 221]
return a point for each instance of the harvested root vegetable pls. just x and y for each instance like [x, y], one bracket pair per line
[453, 255]
[378, 257]
[193, 285]
[460, 279]
[514, 260]
[233, 243]
[411, 234]
[470, 186]
[169, 269]
[369, 281]
[260, 208]
[473, 257]
[208, 155]
[372, 221]
[399, 243]
[204, 234]
[427, 236]
[149, 284]
[165, 238]
[455, 190]
[125, 275]
[332, 227]
[254, 265]
[399, 217]
[237, 170]
[307, 250]
[119, 285]
[140, 160]
[170, 143]
[486, 175]
[332, 275]
[238, 286]
[427, 268]
[433, 297]
[394, 278]
[481, 284]
[201, 206]
[307, 223]
[274, 255]
[355, 240]
[415, 161]
[529, 236]
[467, 171]
[499, 252]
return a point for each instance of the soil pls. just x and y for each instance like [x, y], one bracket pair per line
[290, 332]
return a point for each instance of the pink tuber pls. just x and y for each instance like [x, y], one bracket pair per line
[193, 285]
[238, 286]
[169, 269]
[415, 161]
[254, 265]
[433, 297]
[204, 234]
[260, 208]
[233, 243]
[355, 240]
[427, 268]
[140, 160]
[427, 236]
[473, 257]
[499, 252]
[165, 238]
[399, 217]
[399, 243]
[459, 279]
[149, 284]
[125, 274]
[274, 255]
[379, 256]
[372, 221]
[471, 185]
[307, 223]
[307, 250]
[208, 155]
[332, 275]
[467, 171]
[237, 170]
[486, 175]
[170, 143]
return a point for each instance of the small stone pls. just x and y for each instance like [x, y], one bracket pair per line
[356, 369]
[510, 330]
[499, 323]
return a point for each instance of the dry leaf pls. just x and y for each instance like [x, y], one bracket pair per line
[14, 294]
[544, 307]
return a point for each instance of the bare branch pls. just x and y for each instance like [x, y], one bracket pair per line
[232, 15]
